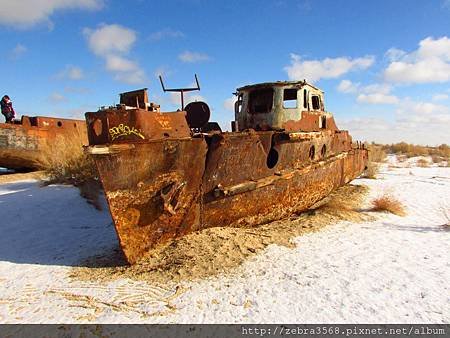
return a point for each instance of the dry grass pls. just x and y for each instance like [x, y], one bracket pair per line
[376, 156]
[388, 203]
[371, 171]
[412, 150]
[65, 162]
[402, 158]
[423, 163]
[9, 178]
[376, 153]
[436, 159]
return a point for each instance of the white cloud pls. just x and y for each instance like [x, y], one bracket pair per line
[27, 13]
[75, 73]
[377, 98]
[440, 97]
[112, 43]
[434, 48]
[71, 73]
[429, 63]
[394, 54]
[57, 98]
[424, 122]
[134, 77]
[109, 39]
[414, 122]
[165, 33]
[314, 70]
[347, 86]
[409, 107]
[362, 124]
[377, 88]
[433, 70]
[18, 51]
[117, 63]
[228, 104]
[192, 57]
[371, 94]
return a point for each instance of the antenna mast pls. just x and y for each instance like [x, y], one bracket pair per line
[180, 90]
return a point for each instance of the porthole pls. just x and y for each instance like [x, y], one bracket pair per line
[312, 152]
[323, 151]
[272, 158]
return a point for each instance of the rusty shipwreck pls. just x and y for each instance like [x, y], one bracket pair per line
[169, 174]
[22, 143]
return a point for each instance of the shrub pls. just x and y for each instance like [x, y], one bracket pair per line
[436, 158]
[371, 171]
[443, 150]
[423, 163]
[402, 158]
[388, 203]
[412, 150]
[376, 153]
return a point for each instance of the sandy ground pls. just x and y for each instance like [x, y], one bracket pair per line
[8, 177]
[59, 262]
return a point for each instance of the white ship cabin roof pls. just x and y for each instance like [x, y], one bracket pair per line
[298, 84]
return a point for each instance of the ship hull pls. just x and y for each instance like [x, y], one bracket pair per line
[162, 189]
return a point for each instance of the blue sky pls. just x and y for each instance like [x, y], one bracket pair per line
[384, 65]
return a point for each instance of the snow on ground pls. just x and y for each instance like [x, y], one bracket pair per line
[392, 270]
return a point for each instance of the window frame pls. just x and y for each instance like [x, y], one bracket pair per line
[250, 101]
[284, 100]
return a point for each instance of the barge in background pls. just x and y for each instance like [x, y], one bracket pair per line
[22, 143]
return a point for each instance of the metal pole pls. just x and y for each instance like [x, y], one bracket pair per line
[182, 100]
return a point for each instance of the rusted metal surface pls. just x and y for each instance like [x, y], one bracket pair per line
[278, 196]
[22, 143]
[153, 191]
[160, 187]
[136, 98]
[197, 114]
[134, 125]
[311, 121]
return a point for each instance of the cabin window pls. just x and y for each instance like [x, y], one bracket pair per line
[261, 101]
[290, 98]
[238, 104]
[305, 99]
[315, 99]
